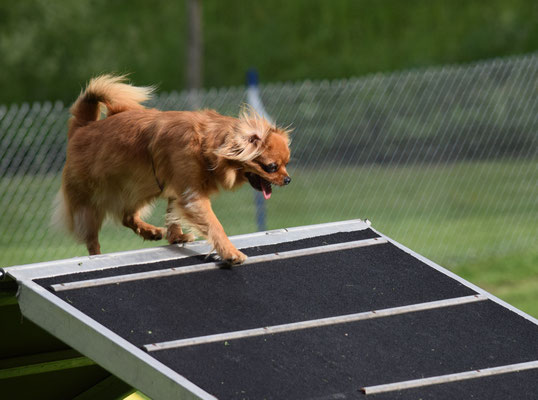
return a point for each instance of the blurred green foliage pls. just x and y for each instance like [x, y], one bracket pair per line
[49, 48]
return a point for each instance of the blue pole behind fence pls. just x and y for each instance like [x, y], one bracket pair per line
[254, 99]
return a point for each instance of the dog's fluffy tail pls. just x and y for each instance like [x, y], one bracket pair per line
[113, 92]
[61, 218]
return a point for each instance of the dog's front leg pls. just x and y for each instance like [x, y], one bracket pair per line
[198, 211]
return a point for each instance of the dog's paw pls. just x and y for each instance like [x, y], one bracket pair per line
[175, 237]
[153, 233]
[233, 257]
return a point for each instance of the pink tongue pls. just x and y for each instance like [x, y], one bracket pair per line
[266, 188]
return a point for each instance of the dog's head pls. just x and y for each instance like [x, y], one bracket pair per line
[262, 150]
[269, 167]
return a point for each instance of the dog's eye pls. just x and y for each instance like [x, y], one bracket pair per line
[270, 168]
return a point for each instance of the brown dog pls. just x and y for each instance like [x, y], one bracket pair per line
[119, 165]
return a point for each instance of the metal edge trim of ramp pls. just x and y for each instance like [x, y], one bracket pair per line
[173, 252]
[103, 346]
[460, 376]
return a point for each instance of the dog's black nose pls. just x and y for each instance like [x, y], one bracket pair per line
[287, 180]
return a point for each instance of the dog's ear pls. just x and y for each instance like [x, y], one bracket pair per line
[247, 141]
[255, 139]
[241, 147]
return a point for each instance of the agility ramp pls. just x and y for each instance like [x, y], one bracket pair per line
[330, 311]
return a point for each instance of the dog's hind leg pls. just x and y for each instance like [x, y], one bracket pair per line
[86, 225]
[147, 231]
[174, 233]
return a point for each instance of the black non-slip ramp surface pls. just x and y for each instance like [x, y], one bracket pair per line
[340, 237]
[269, 293]
[340, 359]
[329, 323]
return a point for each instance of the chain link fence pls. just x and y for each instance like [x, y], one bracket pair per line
[443, 160]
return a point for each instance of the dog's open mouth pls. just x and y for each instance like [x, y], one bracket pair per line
[258, 183]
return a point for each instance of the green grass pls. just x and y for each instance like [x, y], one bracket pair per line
[513, 278]
[478, 219]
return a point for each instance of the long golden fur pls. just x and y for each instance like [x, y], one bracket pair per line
[118, 165]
